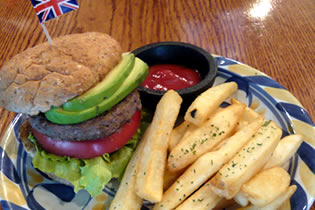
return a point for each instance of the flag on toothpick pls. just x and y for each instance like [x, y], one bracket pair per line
[49, 9]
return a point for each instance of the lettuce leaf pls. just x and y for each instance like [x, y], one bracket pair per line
[65, 168]
[119, 161]
[94, 175]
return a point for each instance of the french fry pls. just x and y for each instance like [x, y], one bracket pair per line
[174, 140]
[286, 148]
[208, 101]
[224, 204]
[249, 115]
[276, 204]
[177, 134]
[203, 139]
[207, 165]
[250, 207]
[250, 159]
[266, 186]
[204, 199]
[150, 170]
[188, 182]
[171, 177]
[241, 198]
[285, 205]
[281, 199]
[126, 198]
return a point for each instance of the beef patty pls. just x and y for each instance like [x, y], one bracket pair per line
[101, 126]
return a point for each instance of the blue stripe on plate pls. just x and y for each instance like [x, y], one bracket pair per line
[31, 201]
[241, 83]
[299, 199]
[10, 206]
[7, 167]
[20, 165]
[63, 192]
[296, 112]
[222, 61]
[306, 153]
[265, 81]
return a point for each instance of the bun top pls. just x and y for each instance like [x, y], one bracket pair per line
[45, 76]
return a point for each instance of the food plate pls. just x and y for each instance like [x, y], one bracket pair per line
[23, 187]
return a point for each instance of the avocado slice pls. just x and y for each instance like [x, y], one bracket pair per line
[60, 116]
[105, 88]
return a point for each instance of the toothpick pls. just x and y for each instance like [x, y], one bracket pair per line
[47, 34]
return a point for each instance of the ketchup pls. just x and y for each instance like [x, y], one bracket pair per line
[164, 77]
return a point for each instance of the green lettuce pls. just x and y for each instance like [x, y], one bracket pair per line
[89, 174]
[94, 175]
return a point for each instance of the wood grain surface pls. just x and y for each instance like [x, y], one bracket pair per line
[273, 36]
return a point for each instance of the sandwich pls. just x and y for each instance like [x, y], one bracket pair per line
[83, 109]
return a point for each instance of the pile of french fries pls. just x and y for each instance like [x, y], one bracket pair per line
[216, 158]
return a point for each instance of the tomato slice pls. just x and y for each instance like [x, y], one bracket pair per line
[92, 148]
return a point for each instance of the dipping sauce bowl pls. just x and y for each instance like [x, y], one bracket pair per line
[183, 54]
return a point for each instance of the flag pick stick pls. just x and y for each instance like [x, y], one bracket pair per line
[47, 34]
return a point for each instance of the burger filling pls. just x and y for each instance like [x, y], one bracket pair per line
[90, 162]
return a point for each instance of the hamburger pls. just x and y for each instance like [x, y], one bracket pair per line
[82, 107]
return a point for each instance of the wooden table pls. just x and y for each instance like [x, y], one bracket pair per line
[274, 36]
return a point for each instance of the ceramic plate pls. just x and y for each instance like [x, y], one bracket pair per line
[23, 187]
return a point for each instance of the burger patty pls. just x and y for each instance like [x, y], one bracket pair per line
[99, 127]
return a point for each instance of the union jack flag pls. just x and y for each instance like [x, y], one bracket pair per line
[49, 9]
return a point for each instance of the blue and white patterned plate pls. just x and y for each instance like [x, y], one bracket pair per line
[23, 187]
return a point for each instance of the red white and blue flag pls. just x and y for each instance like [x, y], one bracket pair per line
[49, 9]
